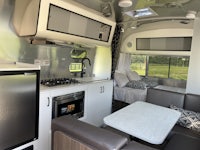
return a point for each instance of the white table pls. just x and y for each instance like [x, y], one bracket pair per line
[143, 120]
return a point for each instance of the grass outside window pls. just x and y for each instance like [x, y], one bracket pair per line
[138, 64]
[158, 66]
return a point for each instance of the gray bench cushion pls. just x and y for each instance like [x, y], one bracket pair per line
[95, 137]
[177, 129]
[181, 142]
[165, 98]
[137, 146]
[117, 132]
[192, 102]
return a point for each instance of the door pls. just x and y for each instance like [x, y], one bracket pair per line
[99, 101]
[45, 121]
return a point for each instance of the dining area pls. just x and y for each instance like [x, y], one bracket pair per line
[150, 125]
[160, 121]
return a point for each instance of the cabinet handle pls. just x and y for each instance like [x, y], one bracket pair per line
[48, 104]
[101, 89]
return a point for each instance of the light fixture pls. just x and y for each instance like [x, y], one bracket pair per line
[125, 3]
[191, 14]
[133, 27]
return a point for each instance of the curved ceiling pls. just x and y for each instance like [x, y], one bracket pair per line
[163, 8]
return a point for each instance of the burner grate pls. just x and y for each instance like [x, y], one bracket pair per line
[58, 81]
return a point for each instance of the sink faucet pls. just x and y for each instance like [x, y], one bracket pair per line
[82, 62]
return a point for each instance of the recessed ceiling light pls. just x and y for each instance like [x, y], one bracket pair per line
[133, 27]
[125, 3]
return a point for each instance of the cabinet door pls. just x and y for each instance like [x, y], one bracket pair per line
[99, 101]
[45, 121]
[58, 19]
[65, 21]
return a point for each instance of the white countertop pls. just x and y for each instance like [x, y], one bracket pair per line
[45, 88]
[89, 79]
[17, 66]
[143, 120]
[83, 81]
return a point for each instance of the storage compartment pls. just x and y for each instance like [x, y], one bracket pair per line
[164, 44]
[160, 38]
[63, 21]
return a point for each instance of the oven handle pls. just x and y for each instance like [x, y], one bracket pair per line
[48, 104]
[68, 100]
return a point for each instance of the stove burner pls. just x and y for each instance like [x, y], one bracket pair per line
[58, 81]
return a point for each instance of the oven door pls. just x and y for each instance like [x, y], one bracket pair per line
[70, 106]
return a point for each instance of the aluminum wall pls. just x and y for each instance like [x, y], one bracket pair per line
[55, 60]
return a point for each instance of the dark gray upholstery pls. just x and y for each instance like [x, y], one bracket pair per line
[177, 129]
[165, 98]
[180, 142]
[137, 146]
[180, 138]
[96, 138]
[117, 132]
[192, 102]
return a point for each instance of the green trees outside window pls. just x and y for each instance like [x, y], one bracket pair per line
[175, 67]
[138, 64]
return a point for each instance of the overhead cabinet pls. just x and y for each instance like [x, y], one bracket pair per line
[62, 20]
[164, 43]
[65, 21]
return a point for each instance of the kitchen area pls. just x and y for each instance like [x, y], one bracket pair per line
[74, 77]
[88, 101]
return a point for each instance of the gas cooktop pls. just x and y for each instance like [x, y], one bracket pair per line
[58, 81]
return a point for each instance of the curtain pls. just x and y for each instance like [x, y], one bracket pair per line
[124, 62]
[115, 48]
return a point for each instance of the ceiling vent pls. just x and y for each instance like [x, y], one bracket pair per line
[62, 20]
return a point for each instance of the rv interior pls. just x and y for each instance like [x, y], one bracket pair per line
[99, 75]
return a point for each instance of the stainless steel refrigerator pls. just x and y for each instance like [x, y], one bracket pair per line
[19, 104]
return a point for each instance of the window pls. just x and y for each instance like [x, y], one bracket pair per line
[179, 68]
[173, 67]
[158, 66]
[138, 64]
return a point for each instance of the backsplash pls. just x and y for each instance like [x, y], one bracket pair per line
[54, 60]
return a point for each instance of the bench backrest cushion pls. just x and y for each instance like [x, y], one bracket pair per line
[192, 102]
[165, 98]
[92, 136]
